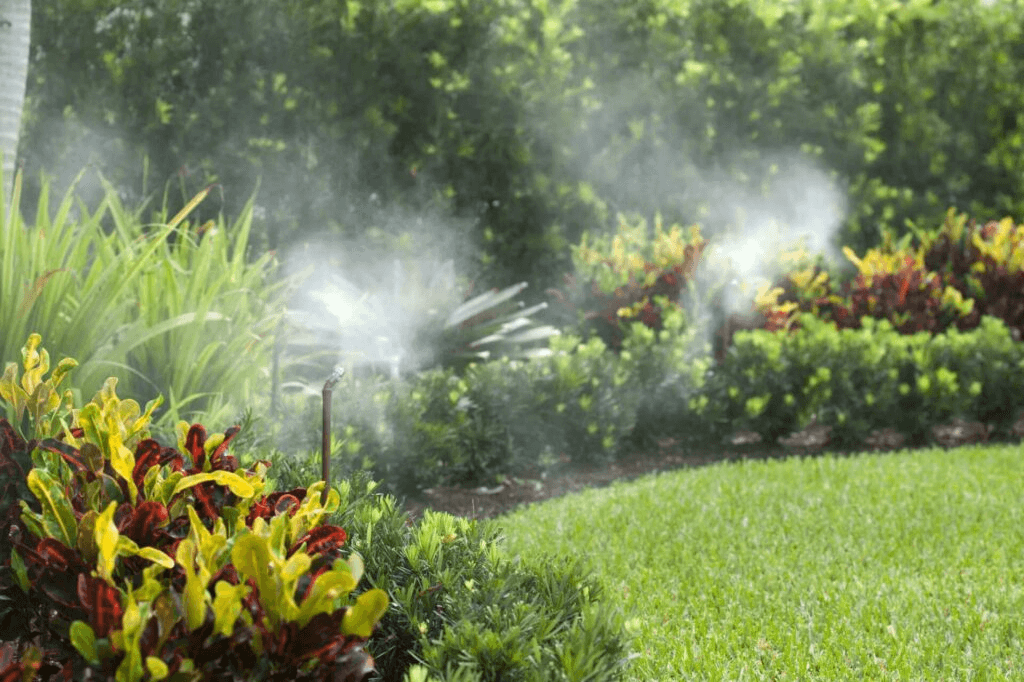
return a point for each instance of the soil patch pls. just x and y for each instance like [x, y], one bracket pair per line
[668, 455]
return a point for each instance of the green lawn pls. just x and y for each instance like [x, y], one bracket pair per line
[905, 566]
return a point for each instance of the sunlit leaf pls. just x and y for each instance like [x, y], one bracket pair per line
[238, 485]
[369, 608]
[58, 516]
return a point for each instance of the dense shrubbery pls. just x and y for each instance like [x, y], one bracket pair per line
[628, 107]
[952, 277]
[635, 275]
[129, 560]
[590, 406]
[164, 565]
[505, 417]
[870, 378]
[855, 365]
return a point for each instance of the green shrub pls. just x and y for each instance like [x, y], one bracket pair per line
[857, 380]
[984, 378]
[585, 391]
[438, 435]
[461, 610]
[500, 418]
[668, 369]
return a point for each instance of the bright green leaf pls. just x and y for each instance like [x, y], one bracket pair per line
[57, 512]
[84, 640]
[365, 613]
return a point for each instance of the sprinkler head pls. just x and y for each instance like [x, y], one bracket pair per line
[338, 372]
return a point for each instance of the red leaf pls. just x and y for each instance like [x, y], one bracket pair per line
[147, 455]
[101, 602]
[204, 500]
[10, 442]
[144, 524]
[904, 287]
[58, 557]
[228, 574]
[217, 459]
[194, 445]
[321, 539]
[68, 452]
[275, 503]
[15, 671]
[285, 503]
[321, 638]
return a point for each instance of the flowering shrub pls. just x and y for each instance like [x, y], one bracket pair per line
[958, 274]
[983, 263]
[891, 284]
[629, 277]
[130, 560]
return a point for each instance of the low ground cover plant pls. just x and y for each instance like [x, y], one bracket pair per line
[897, 566]
[460, 610]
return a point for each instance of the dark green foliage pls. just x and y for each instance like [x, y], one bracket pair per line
[667, 370]
[537, 119]
[458, 603]
[437, 435]
[856, 380]
[585, 391]
[500, 418]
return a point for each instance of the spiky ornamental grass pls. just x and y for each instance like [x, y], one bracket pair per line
[170, 307]
[907, 566]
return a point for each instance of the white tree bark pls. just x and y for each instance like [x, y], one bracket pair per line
[15, 31]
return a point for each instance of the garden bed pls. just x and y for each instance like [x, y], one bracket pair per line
[484, 502]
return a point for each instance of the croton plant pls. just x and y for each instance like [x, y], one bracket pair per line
[126, 560]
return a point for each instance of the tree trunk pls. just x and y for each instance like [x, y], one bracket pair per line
[15, 30]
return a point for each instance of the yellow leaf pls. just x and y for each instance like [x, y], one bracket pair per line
[238, 485]
[227, 606]
[123, 462]
[365, 613]
[106, 536]
[157, 669]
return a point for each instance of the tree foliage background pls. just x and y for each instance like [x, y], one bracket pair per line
[532, 120]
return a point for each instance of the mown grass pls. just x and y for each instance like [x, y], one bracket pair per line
[906, 566]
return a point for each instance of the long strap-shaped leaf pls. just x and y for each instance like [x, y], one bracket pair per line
[484, 301]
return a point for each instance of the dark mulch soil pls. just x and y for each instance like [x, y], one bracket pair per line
[668, 455]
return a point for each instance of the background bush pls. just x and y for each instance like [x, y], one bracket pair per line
[534, 120]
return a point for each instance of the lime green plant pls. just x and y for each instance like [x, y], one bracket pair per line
[34, 396]
[177, 309]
